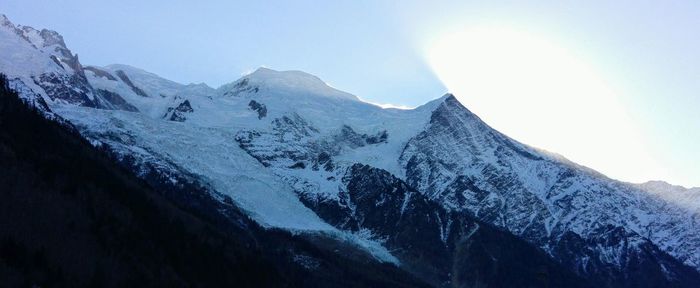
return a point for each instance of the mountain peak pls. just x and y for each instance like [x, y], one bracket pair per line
[264, 72]
[451, 100]
[286, 82]
[660, 185]
[49, 37]
[4, 21]
[37, 38]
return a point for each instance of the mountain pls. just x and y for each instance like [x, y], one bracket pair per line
[688, 198]
[601, 227]
[71, 217]
[433, 190]
[40, 60]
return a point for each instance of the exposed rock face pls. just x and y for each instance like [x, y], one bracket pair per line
[72, 89]
[384, 212]
[100, 73]
[293, 139]
[455, 201]
[70, 86]
[439, 245]
[355, 140]
[33, 99]
[179, 113]
[133, 87]
[258, 107]
[51, 69]
[117, 230]
[466, 166]
[439, 164]
[45, 39]
[240, 87]
[116, 101]
[269, 148]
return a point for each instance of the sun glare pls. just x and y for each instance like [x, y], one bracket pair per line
[542, 95]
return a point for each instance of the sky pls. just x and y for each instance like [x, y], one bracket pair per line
[613, 85]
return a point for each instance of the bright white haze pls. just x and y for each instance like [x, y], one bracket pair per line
[542, 95]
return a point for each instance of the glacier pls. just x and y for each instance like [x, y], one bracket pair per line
[285, 147]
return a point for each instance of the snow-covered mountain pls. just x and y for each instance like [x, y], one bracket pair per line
[688, 198]
[426, 188]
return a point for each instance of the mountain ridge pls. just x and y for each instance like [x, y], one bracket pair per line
[72, 217]
[292, 167]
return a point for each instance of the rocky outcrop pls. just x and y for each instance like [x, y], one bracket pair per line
[462, 171]
[443, 247]
[116, 101]
[354, 139]
[239, 87]
[258, 107]
[100, 73]
[127, 81]
[71, 89]
[466, 166]
[461, 204]
[179, 112]
[59, 77]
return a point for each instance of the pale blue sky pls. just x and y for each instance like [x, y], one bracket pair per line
[647, 51]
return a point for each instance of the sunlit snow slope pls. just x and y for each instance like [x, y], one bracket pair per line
[285, 147]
